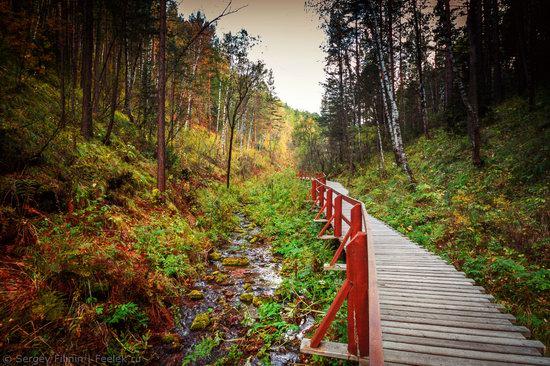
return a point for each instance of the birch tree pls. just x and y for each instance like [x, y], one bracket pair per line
[387, 90]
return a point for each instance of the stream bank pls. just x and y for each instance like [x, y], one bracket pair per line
[218, 319]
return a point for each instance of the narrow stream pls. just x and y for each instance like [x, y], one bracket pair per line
[222, 287]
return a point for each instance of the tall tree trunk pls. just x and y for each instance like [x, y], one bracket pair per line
[114, 98]
[419, 59]
[230, 153]
[219, 107]
[87, 50]
[62, 61]
[390, 45]
[449, 72]
[97, 58]
[474, 34]
[522, 9]
[161, 143]
[473, 117]
[74, 58]
[172, 104]
[495, 53]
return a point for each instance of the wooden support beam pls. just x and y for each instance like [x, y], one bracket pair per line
[331, 349]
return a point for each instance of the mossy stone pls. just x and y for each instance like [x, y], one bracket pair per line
[247, 297]
[196, 295]
[200, 322]
[235, 261]
[219, 277]
[215, 256]
[247, 287]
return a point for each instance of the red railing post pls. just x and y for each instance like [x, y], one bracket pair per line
[328, 212]
[357, 273]
[356, 220]
[322, 195]
[337, 223]
[314, 189]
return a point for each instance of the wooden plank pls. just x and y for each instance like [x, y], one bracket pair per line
[454, 330]
[406, 291]
[467, 354]
[412, 271]
[375, 332]
[405, 297]
[463, 345]
[421, 286]
[460, 312]
[443, 286]
[417, 268]
[464, 337]
[431, 275]
[336, 267]
[409, 262]
[425, 279]
[458, 324]
[412, 358]
[442, 306]
[436, 316]
[447, 301]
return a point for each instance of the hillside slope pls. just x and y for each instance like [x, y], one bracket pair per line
[92, 260]
[492, 222]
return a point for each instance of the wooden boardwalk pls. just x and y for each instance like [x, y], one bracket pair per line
[432, 314]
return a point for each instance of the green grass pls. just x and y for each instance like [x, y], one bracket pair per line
[278, 204]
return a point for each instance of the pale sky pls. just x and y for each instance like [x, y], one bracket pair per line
[290, 43]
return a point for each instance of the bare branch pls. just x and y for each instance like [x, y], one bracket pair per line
[226, 11]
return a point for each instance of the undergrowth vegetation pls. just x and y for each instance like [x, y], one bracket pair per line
[94, 260]
[278, 204]
[492, 222]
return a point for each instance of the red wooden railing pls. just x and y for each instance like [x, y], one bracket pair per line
[360, 286]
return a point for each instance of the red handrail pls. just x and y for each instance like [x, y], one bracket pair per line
[360, 287]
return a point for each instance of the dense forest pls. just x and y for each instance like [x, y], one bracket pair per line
[146, 161]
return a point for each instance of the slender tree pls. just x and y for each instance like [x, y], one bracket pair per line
[390, 102]
[419, 68]
[474, 36]
[87, 50]
[161, 141]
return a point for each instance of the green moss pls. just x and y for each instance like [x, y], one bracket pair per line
[220, 277]
[247, 298]
[196, 295]
[215, 256]
[201, 321]
[259, 300]
[235, 261]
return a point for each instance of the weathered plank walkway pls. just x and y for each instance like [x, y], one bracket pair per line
[432, 314]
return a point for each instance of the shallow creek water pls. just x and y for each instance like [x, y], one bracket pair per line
[222, 287]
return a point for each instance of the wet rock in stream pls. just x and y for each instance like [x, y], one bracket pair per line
[196, 295]
[235, 261]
